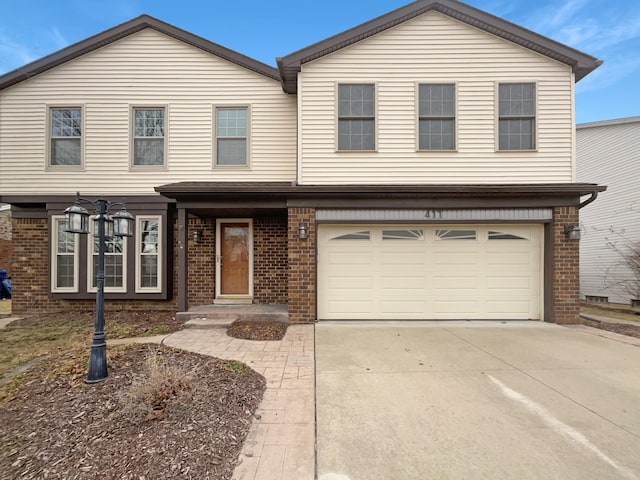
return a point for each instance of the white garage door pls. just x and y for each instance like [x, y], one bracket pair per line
[429, 272]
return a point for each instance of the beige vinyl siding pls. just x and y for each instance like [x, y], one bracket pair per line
[608, 154]
[433, 48]
[144, 69]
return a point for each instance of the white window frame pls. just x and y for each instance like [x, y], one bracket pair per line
[132, 136]
[425, 117]
[247, 137]
[140, 253]
[337, 118]
[91, 274]
[50, 138]
[55, 219]
[535, 116]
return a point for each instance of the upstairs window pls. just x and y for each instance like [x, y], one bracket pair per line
[517, 116]
[231, 136]
[149, 136]
[356, 117]
[437, 116]
[66, 136]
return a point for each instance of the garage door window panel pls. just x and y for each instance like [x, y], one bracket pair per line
[403, 235]
[456, 235]
[495, 235]
[364, 235]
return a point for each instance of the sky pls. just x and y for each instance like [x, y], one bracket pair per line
[264, 30]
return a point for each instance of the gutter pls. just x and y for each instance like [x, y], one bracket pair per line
[592, 198]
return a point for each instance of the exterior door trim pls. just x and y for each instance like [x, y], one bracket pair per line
[218, 258]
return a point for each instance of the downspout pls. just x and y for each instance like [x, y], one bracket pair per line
[592, 198]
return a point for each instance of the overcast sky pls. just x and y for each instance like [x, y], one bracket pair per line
[606, 29]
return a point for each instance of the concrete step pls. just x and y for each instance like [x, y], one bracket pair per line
[207, 323]
[186, 316]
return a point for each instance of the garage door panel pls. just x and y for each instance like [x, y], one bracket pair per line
[455, 307]
[499, 306]
[403, 282]
[509, 259]
[405, 257]
[427, 275]
[346, 258]
[350, 282]
[350, 307]
[511, 284]
[405, 308]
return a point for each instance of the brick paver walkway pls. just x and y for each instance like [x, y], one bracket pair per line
[281, 442]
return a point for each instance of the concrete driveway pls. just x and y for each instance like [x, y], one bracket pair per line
[464, 400]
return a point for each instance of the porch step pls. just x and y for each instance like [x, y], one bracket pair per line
[207, 323]
[219, 316]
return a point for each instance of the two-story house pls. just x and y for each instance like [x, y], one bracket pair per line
[418, 166]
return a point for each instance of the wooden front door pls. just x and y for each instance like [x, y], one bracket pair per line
[234, 257]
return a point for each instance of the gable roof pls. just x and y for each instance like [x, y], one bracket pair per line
[581, 63]
[607, 123]
[124, 30]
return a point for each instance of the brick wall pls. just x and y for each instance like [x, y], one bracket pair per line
[270, 259]
[30, 268]
[566, 273]
[201, 265]
[30, 275]
[302, 266]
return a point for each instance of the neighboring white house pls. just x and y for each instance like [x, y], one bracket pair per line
[609, 153]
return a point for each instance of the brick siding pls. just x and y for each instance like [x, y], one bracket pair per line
[566, 273]
[201, 265]
[270, 259]
[30, 275]
[302, 266]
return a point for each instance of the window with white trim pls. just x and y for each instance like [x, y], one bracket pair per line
[65, 130]
[64, 245]
[516, 116]
[148, 254]
[437, 116]
[356, 117]
[231, 136]
[149, 136]
[115, 265]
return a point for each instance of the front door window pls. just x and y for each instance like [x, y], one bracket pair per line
[234, 258]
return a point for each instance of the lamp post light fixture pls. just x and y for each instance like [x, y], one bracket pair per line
[119, 225]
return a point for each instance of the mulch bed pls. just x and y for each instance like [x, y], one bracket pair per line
[161, 413]
[257, 330]
[621, 328]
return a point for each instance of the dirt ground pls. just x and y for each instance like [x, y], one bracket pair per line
[161, 413]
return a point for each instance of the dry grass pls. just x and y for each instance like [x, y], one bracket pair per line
[608, 312]
[161, 386]
[5, 307]
[63, 340]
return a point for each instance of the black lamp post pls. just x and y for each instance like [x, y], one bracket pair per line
[119, 225]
